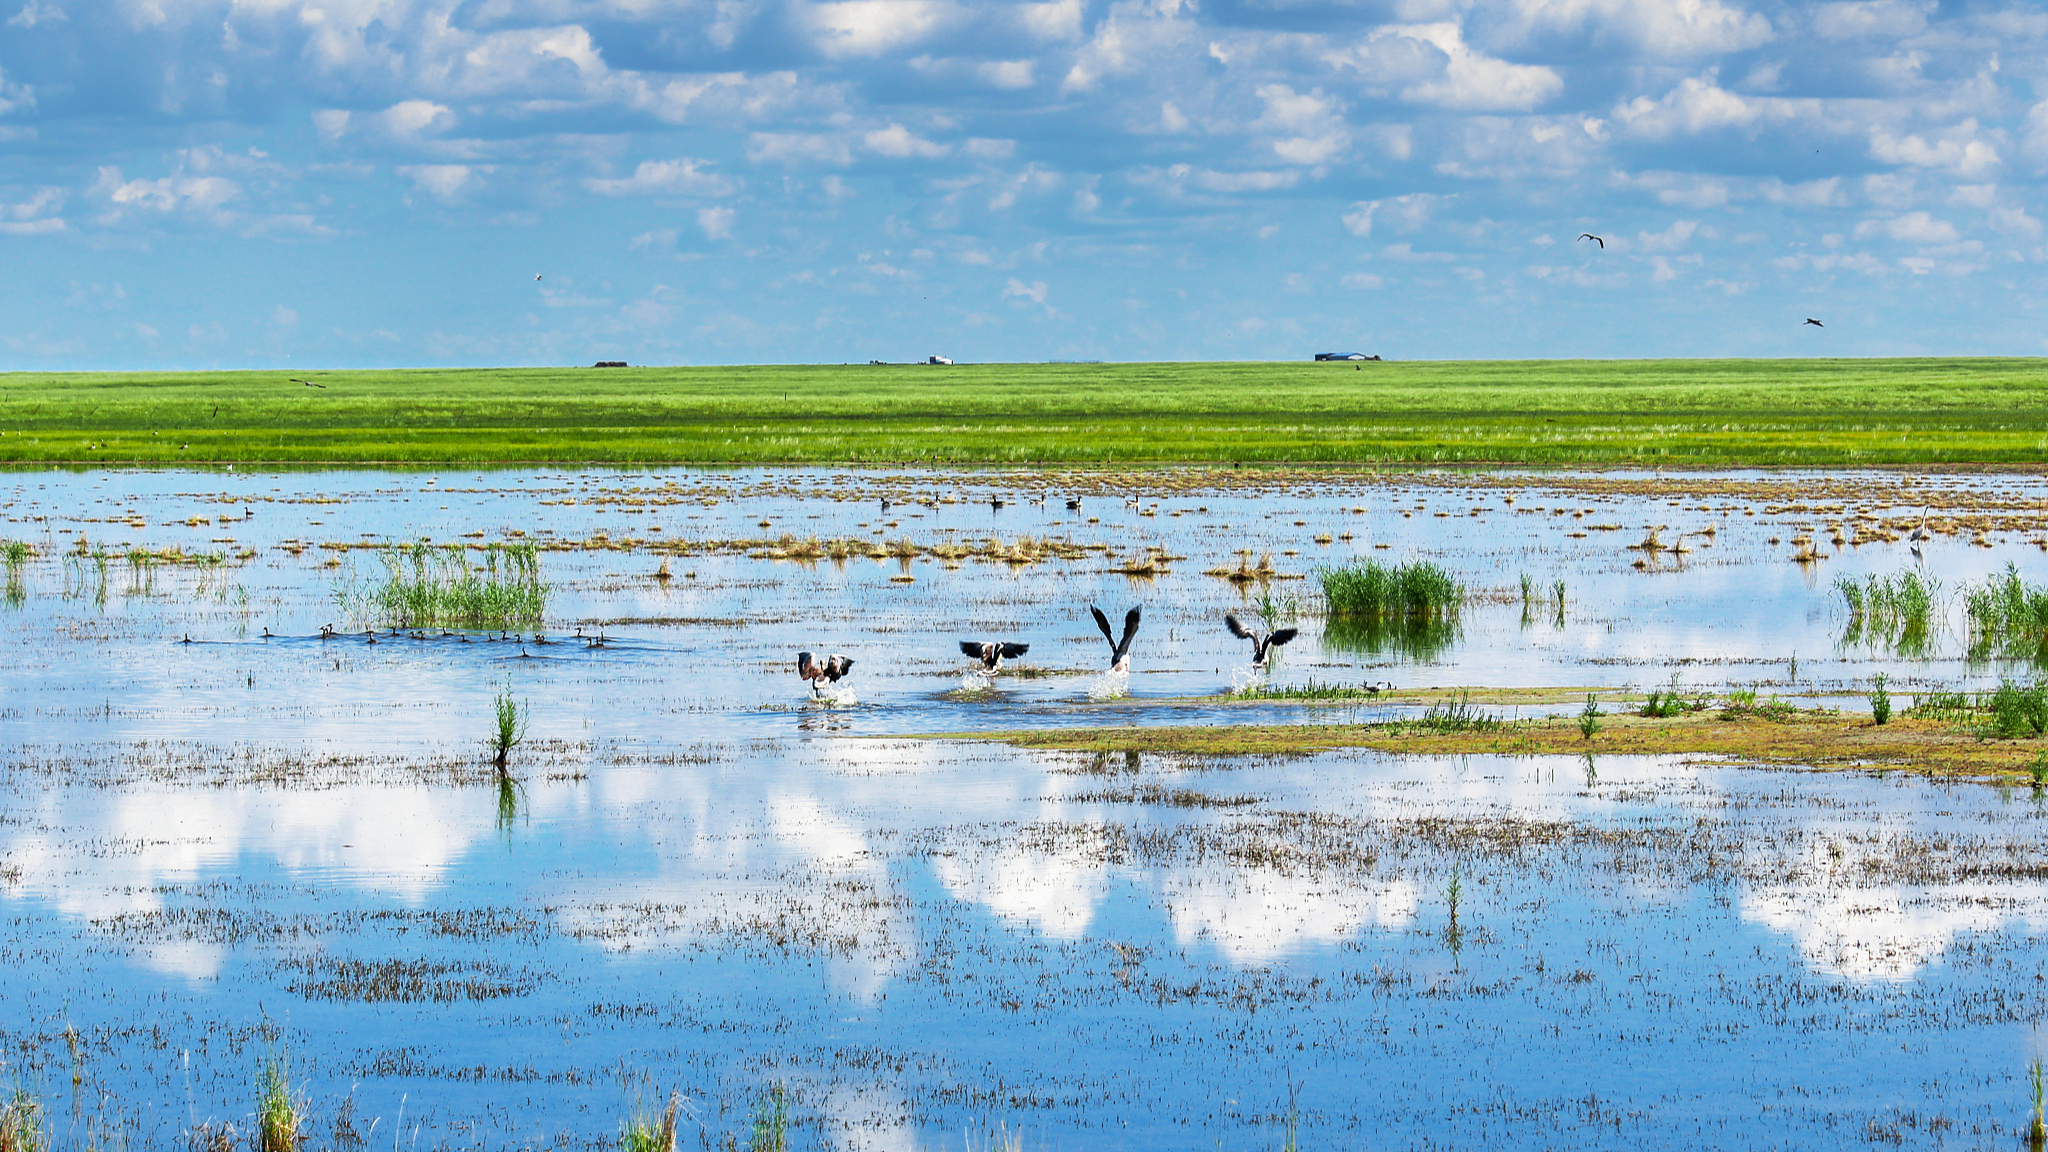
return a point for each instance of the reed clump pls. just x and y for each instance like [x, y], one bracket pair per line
[509, 731]
[439, 586]
[2008, 615]
[1415, 590]
[277, 1113]
[1459, 714]
[647, 1133]
[1898, 610]
[24, 1125]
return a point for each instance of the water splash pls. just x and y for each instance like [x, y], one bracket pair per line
[1244, 678]
[977, 681]
[1111, 685]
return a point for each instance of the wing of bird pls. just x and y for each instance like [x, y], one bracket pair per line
[838, 666]
[804, 667]
[1815, 323]
[1102, 622]
[1130, 631]
[1593, 238]
[974, 648]
[1236, 629]
[1012, 651]
[1282, 636]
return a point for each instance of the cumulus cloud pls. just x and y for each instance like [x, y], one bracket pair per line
[444, 182]
[1662, 28]
[1697, 105]
[1958, 149]
[679, 177]
[1471, 81]
[1912, 228]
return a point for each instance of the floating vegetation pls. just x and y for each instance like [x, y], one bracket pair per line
[1246, 572]
[438, 586]
[1896, 611]
[2008, 617]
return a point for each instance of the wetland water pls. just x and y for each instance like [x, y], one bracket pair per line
[707, 883]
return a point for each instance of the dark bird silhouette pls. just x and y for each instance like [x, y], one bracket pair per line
[308, 383]
[1593, 238]
[995, 501]
[536, 275]
[885, 505]
[327, 631]
[992, 653]
[1262, 646]
[1815, 323]
[1073, 503]
[821, 674]
[1119, 650]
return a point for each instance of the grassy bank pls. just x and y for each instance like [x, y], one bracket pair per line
[1813, 738]
[1765, 412]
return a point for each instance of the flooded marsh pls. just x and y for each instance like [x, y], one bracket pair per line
[486, 809]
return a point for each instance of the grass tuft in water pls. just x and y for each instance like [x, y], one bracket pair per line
[643, 1132]
[1310, 689]
[1897, 611]
[1880, 700]
[1589, 717]
[771, 1122]
[1416, 590]
[2008, 616]
[510, 732]
[24, 1126]
[438, 586]
[2037, 1126]
[278, 1115]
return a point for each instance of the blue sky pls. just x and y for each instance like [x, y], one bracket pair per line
[337, 183]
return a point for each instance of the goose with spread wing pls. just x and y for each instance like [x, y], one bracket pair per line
[1119, 649]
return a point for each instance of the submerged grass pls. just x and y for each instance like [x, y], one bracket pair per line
[1692, 412]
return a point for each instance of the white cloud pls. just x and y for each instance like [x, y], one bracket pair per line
[1871, 19]
[796, 148]
[410, 119]
[444, 182]
[1363, 281]
[1957, 150]
[898, 142]
[680, 177]
[168, 194]
[1657, 27]
[1304, 127]
[716, 223]
[1699, 104]
[1405, 213]
[1912, 228]
[855, 28]
[1471, 81]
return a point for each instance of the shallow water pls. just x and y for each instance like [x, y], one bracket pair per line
[708, 883]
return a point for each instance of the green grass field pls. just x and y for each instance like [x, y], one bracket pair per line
[1680, 412]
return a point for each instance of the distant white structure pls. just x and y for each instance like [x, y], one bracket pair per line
[939, 360]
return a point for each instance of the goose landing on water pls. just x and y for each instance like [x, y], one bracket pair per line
[992, 653]
[1262, 646]
[818, 674]
[1119, 650]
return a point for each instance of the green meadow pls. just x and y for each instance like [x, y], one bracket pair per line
[1679, 412]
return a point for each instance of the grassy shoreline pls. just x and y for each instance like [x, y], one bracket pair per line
[1820, 739]
[1701, 413]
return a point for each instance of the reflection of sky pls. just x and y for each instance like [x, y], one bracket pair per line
[729, 884]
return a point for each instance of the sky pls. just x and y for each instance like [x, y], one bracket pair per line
[377, 183]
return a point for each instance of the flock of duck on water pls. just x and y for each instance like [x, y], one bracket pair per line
[990, 654]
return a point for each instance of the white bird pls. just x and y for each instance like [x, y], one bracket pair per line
[536, 275]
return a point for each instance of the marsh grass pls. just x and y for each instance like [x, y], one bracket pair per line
[1589, 719]
[1898, 611]
[1415, 590]
[2008, 617]
[509, 717]
[1880, 700]
[278, 1114]
[644, 1131]
[2037, 1125]
[1948, 707]
[438, 586]
[2015, 711]
[1310, 689]
[1458, 714]
[770, 1131]
[24, 1123]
